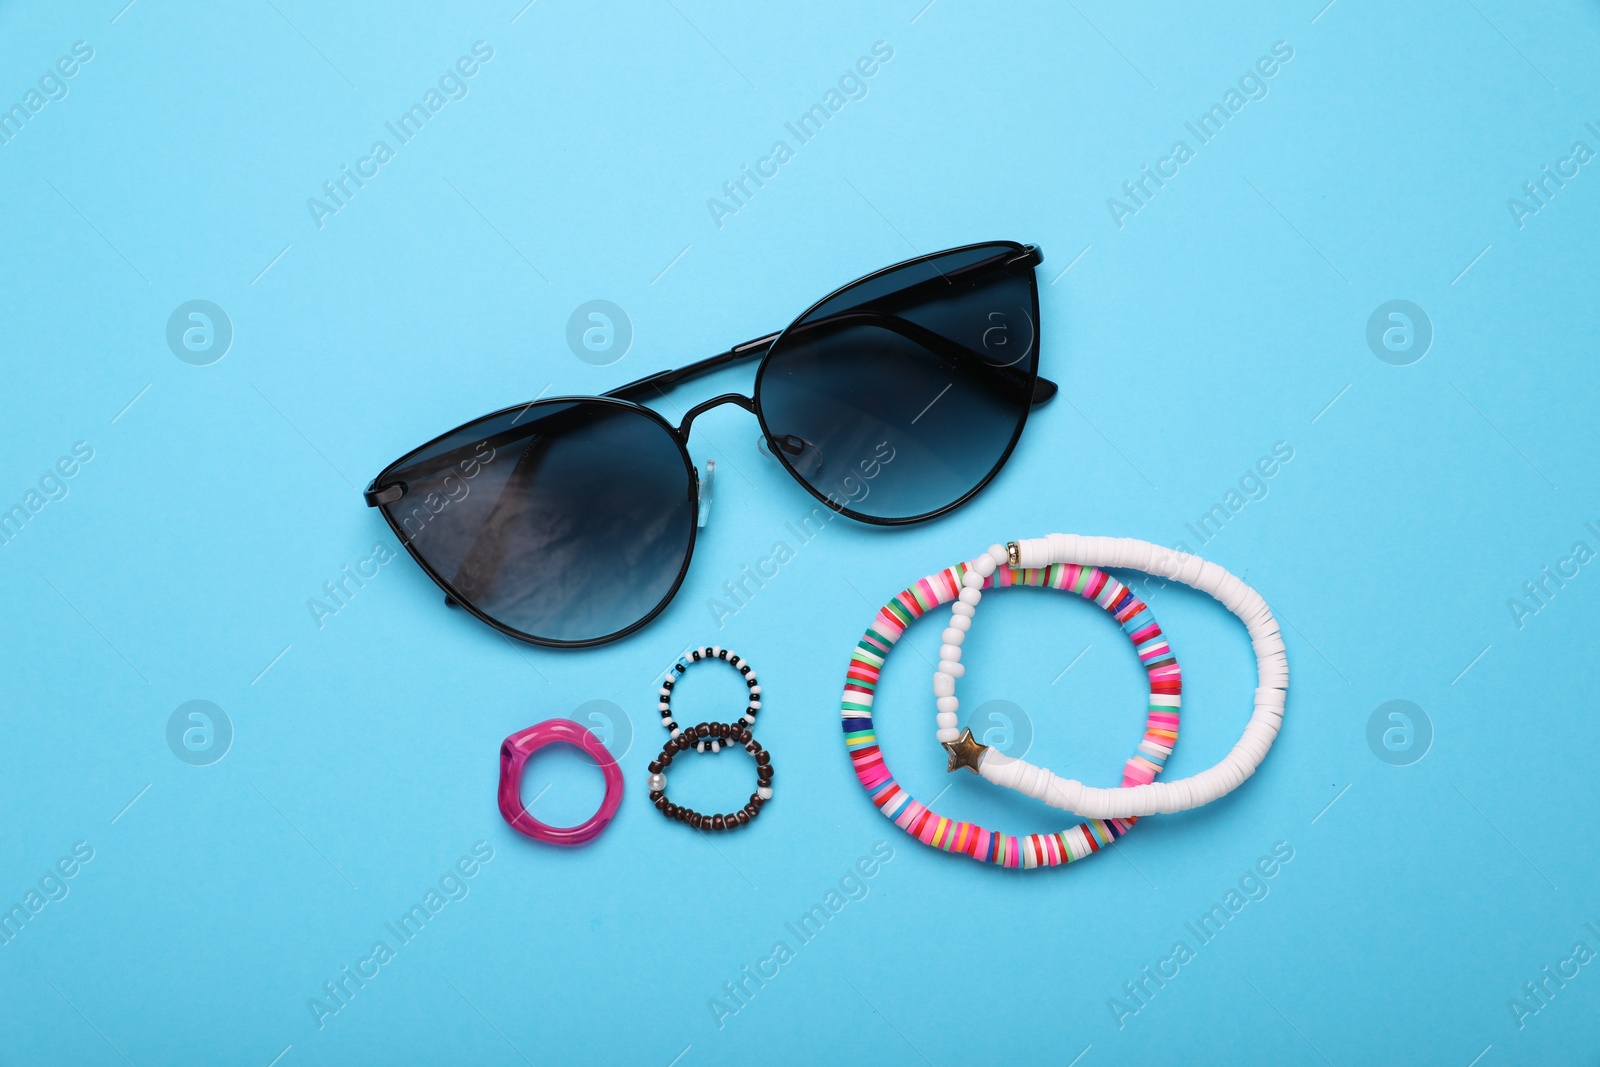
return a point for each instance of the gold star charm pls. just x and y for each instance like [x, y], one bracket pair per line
[965, 751]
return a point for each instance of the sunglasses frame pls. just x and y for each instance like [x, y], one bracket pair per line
[385, 489]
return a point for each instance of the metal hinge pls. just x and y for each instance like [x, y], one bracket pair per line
[387, 495]
[1029, 256]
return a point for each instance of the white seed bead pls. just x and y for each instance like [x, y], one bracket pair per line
[972, 580]
[960, 622]
[947, 734]
[953, 636]
[700, 746]
[676, 731]
[658, 783]
[755, 690]
[943, 685]
[947, 703]
[764, 792]
[755, 705]
[971, 596]
[950, 652]
[945, 719]
[962, 608]
[999, 554]
[666, 720]
[716, 746]
[952, 668]
[984, 565]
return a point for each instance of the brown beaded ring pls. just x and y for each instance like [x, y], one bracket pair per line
[720, 733]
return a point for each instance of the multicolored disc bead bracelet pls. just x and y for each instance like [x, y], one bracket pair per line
[1131, 613]
[715, 736]
[984, 845]
[1072, 555]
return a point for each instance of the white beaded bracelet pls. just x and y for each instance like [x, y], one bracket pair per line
[1272, 679]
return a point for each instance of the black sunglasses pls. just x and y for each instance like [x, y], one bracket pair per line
[570, 521]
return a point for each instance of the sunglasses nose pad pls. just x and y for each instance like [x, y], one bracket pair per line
[804, 456]
[706, 485]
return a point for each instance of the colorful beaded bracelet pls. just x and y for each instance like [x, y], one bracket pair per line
[1074, 552]
[715, 735]
[992, 846]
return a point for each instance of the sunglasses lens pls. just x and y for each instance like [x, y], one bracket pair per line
[568, 521]
[903, 393]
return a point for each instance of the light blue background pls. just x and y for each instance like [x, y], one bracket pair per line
[1226, 315]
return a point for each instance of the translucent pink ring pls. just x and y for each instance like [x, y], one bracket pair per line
[514, 753]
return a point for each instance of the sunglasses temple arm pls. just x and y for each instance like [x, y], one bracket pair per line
[958, 355]
[1028, 257]
[446, 460]
[647, 387]
[655, 384]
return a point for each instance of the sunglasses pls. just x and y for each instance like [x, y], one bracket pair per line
[571, 521]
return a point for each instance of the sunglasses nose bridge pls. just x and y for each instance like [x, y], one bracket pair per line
[739, 399]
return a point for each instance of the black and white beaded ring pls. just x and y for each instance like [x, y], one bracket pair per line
[708, 652]
[716, 735]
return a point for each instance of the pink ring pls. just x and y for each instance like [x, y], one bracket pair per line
[514, 753]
